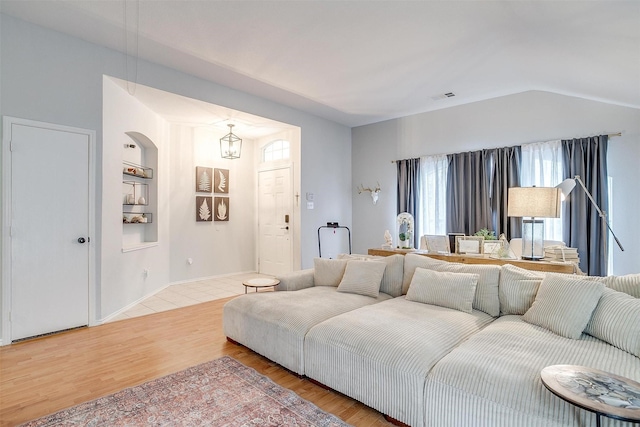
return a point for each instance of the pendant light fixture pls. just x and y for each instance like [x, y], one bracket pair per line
[230, 145]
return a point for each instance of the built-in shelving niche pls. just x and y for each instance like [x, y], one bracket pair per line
[139, 192]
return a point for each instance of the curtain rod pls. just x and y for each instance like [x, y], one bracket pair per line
[611, 135]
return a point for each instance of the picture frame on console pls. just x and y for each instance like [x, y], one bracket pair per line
[490, 246]
[470, 245]
[437, 244]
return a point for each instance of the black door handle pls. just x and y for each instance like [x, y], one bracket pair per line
[81, 240]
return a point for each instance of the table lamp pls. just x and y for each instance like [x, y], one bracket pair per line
[533, 202]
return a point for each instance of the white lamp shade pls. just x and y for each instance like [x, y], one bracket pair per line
[566, 187]
[538, 202]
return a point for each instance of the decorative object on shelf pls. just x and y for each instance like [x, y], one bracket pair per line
[136, 218]
[534, 202]
[131, 199]
[490, 246]
[567, 186]
[230, 145]
[203, 208]
[139, 171]
[405, 230]
[374, 192]
[203, 179]
[221, 209]
[503, 251]
[487, 234]
[221, 181]
[388, 240]
[437, 244]
[142, 201]
[469, 245]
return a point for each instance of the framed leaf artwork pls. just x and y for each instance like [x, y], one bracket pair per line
[204, 179]
[204, 209]
[221, 208]
[221, 181]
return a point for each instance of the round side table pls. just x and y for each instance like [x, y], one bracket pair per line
[260, 283]
[597, 391]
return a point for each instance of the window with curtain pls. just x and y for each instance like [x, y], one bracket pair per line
[432, 201]
[542, 166]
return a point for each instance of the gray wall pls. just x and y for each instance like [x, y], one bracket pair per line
[510, 120]
[51, 77]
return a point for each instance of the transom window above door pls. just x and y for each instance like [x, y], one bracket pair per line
[276, 150]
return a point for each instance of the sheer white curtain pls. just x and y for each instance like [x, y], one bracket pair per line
[542, 166]
[433, 203]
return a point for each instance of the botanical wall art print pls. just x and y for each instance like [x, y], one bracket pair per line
[221, 208]
[221, 181]
[204, 208]
[204, 179]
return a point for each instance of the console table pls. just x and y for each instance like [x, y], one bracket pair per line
[554, 267]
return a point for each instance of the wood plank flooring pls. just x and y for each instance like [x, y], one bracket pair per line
[47, 374]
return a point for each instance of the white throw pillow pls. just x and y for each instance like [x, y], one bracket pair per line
[564, 304]
[393, 275]
[362, 277]
[616, 320]
[629, 284]
[518, 289]
[451, 290]
[328, 272]
[412, 261]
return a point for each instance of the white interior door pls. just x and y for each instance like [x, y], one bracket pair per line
[49, 221]
[275, 225]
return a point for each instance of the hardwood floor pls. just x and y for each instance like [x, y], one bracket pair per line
[47, 374]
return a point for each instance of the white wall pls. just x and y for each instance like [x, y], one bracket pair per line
[216, 247]
[122, 281]
[510, 120]
[51, 77]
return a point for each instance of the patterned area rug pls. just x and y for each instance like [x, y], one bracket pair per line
[222, 392]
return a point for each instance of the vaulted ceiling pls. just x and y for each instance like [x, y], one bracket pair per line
[358, 62]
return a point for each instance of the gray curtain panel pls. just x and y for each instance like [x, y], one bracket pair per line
[468, 192]
[507, 165]
[409, 191]
[582, 226]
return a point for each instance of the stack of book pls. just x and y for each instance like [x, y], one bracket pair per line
[561, 254]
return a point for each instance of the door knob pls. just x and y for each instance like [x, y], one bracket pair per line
[284, 228]
[81, 240]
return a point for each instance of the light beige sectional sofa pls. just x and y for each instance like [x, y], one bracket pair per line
[432, 343]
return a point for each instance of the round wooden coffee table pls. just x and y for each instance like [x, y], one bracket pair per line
[259, 283]
[597, 391]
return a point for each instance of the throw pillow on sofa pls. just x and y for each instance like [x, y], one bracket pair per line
[518, 288]
[328, 272]
[564, 304]
[362, 277]
[393, 275]
[486, 298]
[445, 289]
[411, 262]
[629, 284]
[616, 320]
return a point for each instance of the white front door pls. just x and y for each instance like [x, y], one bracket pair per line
[275, 225]
[49, 230]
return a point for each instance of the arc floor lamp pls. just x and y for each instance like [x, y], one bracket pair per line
[568, 185]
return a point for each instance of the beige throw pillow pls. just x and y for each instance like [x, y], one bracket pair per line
[451, 290]
[362, 277]
[328, 272]
[629, 284]
[616, 320]
[564, 304]
[411, 262]
[518, 289]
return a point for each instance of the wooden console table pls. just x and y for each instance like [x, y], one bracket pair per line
[554, 267]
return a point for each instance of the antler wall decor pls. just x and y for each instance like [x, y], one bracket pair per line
[374, 192]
